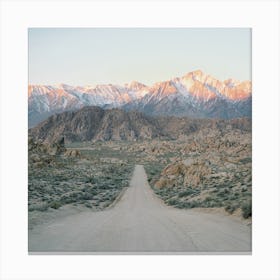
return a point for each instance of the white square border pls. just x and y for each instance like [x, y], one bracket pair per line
[18, 16]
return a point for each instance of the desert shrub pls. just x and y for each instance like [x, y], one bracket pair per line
[88, 205]
[172, 201]
[66, 199]
[103, 198]
[180, 205]
[246, 160]
[100, 186]
[208, 202]
[236, 194]
[218, 203]
[114, 196]
[230, 208]
[55, 204]
[186, 204]
[187, 192]
[92, 190]
[191, 204]
[194, 204]
[86, 196]
[221, 193]
[246, 210]
[107, 203]
[207, 199]
[158, 191]
[38, 207]
[153, 172]
[225, 193]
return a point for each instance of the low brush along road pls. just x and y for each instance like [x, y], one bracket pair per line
[141, 223]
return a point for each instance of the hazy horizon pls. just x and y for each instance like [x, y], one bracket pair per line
[91, 56]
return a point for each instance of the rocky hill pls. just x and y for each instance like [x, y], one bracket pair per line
[212, 170]
[95, 123]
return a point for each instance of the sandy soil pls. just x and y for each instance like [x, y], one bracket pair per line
[140, 223]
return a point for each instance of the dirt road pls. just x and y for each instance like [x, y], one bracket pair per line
[141, 223]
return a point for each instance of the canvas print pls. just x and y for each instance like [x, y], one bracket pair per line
[139, 141]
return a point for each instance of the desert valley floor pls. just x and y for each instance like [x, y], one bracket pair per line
[191, 194]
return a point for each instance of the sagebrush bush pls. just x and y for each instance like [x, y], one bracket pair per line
[230, 208]
[247, 210]
[55, 204]
[38, 207]
[172, 201]
[186, 192]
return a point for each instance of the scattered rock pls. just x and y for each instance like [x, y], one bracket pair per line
[72, 153]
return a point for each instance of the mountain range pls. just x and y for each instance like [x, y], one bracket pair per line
[195, 95]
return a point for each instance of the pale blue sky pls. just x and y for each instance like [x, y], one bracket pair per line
[79, 56]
